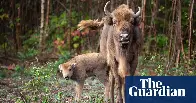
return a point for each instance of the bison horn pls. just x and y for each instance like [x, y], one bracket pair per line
[106, 11]
[137, 14]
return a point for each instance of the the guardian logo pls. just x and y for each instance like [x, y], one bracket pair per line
[155, 88]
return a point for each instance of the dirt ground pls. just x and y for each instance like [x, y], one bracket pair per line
[11, 91]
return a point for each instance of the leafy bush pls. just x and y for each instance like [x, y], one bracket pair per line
[30, 52]
[162, 40]
[155, 64]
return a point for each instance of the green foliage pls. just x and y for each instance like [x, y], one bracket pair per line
[31, 52]
[2, 74]
[30, 47]
[77, 41]
[155, 64]
[144, 72]
[58, 21]
[63, 51]
[41, 78]
[162, 40]
[1, 10]
[4, 45]
[58, 33]
[3, 16]
[31, 42]
[57, 25]
[58, 96]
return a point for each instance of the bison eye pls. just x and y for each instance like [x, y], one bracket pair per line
[70, 69]
[114, 22]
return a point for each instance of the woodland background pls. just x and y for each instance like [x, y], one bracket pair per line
[37, 35]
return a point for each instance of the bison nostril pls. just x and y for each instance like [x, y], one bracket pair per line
[67, 78]
[124, 39]
[123, 35]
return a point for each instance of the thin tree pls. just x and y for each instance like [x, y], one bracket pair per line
[41, 41]
[18, 30]
[152, 31]
[171, 42]
[190, 28]
[47, 18]
[154, 15]
[179, 44]
[143, 16]
[14, 24]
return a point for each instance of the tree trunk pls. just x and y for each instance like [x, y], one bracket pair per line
[70, 25]
[47, 19]
[18, 31]
[143, 16]
[41, 41]
[14, 25]
[179, 46]
[171, 38]
[154, 15]
[190, 29]
[152, 32]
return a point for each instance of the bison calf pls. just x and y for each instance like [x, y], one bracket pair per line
[83, 66]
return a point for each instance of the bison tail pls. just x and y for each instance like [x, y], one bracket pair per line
[89, 24]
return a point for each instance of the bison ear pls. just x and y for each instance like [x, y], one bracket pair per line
[110, 22]
[137, 21]
[73, 65]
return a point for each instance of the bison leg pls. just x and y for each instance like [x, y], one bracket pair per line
[118, 84]
[111, 80]
[123, 89]
[78, 89]
[104, 79]
[133, 64]
[114, 68]
[119, 88]
[106, 92]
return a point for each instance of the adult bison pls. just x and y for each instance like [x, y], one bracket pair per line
[123, 41]
[120, 41]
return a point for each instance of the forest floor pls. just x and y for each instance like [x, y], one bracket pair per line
[41, 84]
[61, 91]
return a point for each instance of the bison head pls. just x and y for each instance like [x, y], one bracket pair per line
[67, 69]
[122, 21]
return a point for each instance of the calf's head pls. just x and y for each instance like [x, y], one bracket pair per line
[67, 69]
[122, 21]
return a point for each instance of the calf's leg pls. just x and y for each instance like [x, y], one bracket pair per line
[78, 89]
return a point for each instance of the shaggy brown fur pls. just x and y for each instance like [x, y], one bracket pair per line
[104, 35]
[122, 58]
[122, 13]
[95, 24]
[83, 66]
[122, 61]
[90, 24]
